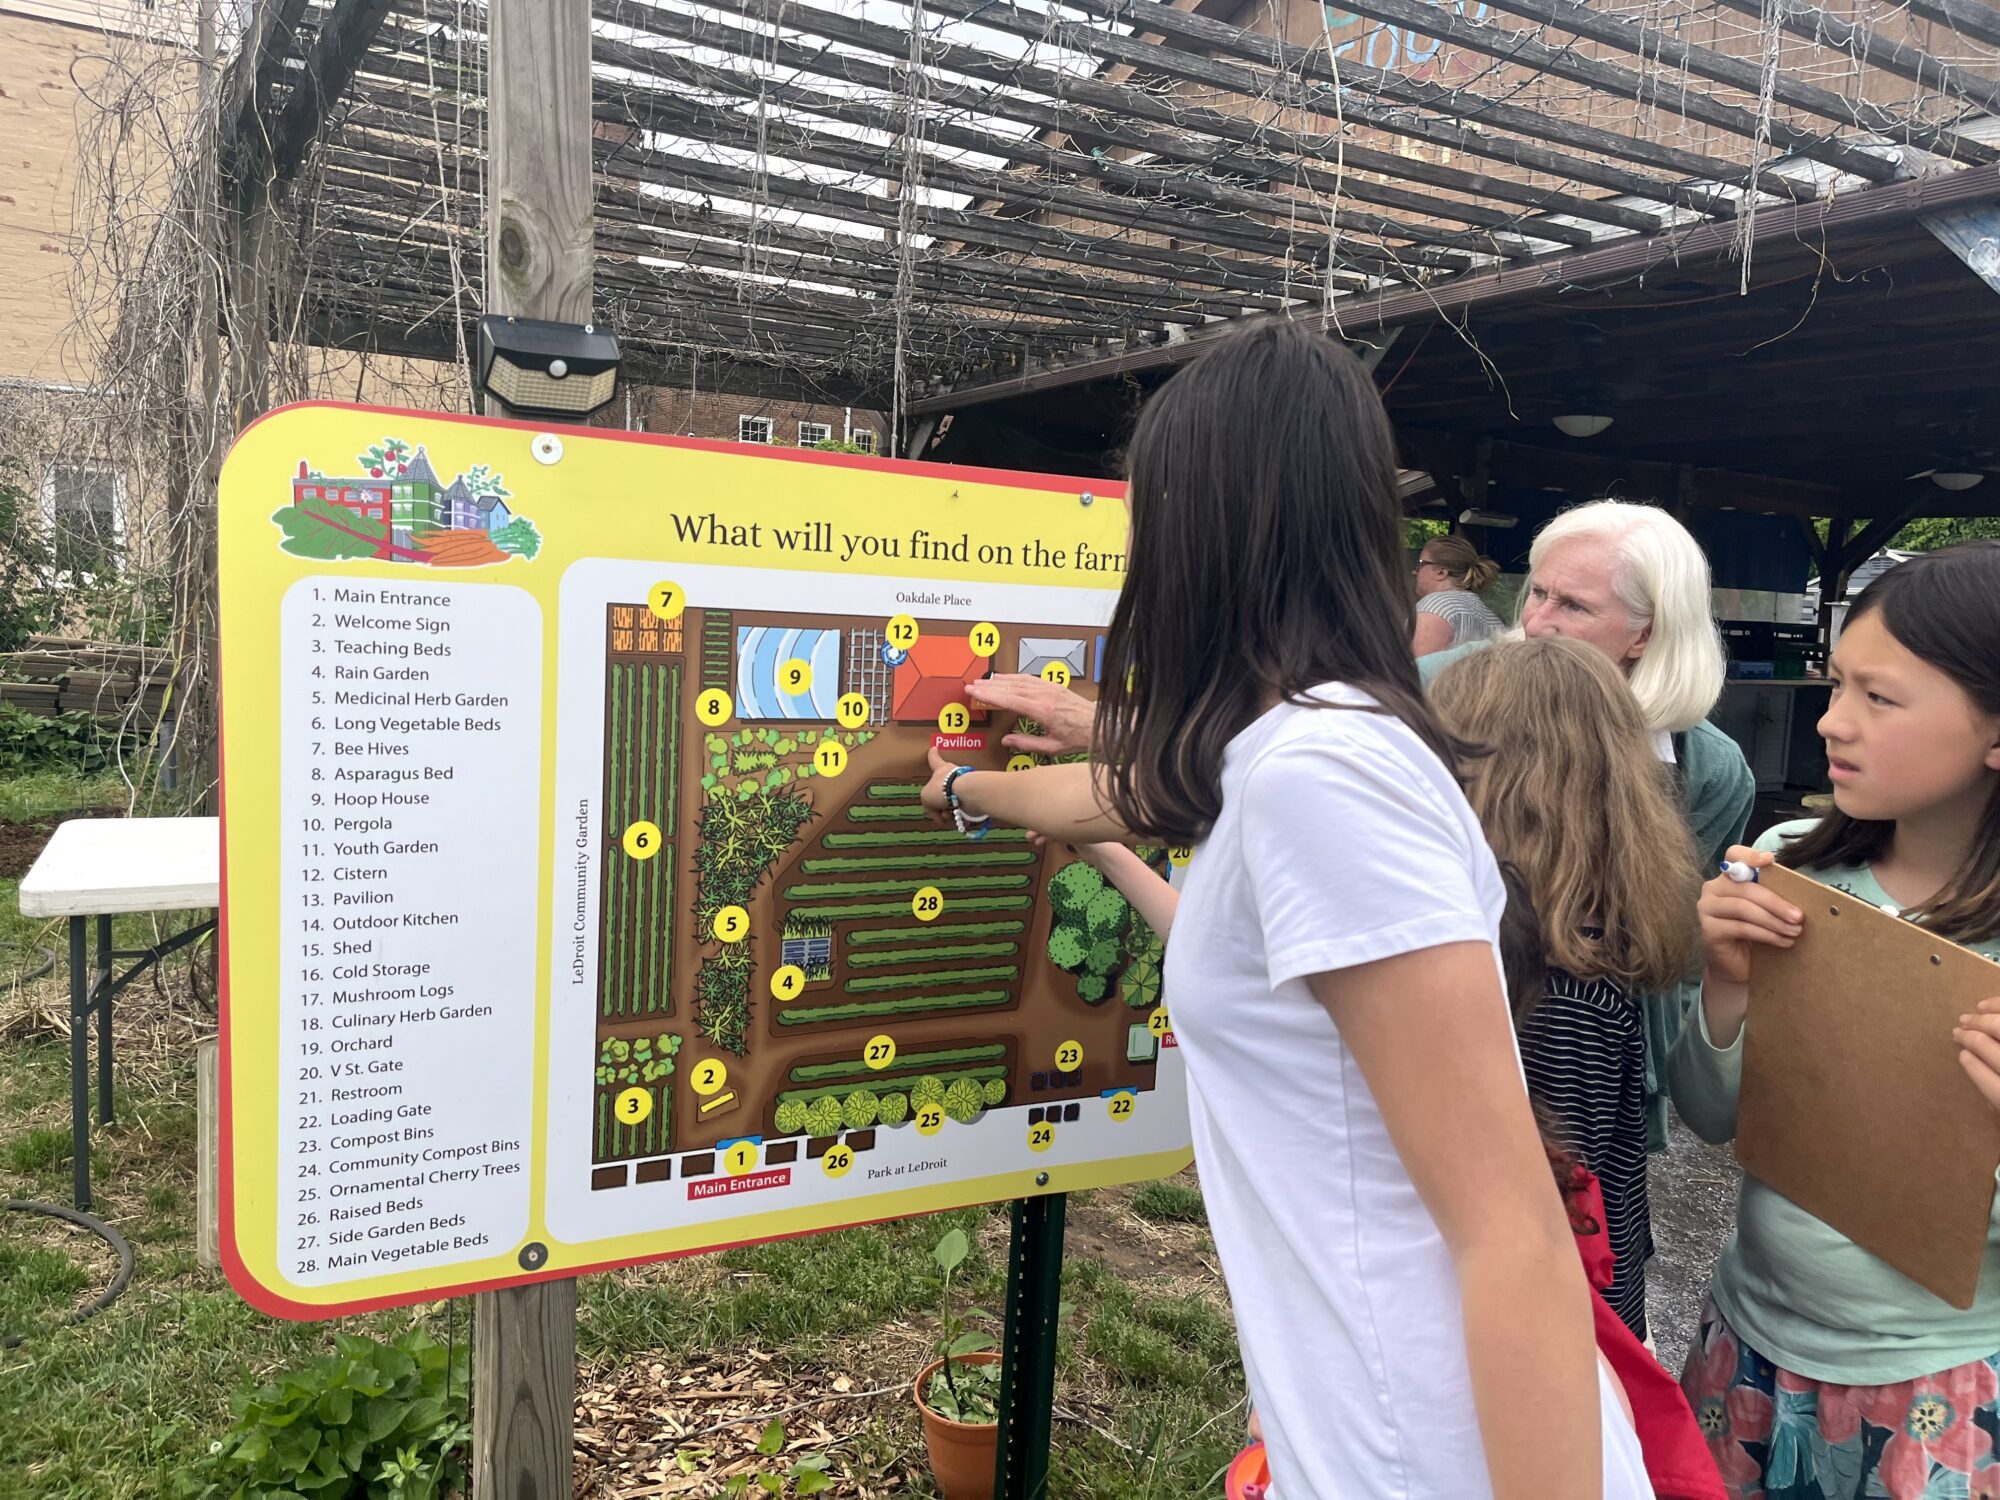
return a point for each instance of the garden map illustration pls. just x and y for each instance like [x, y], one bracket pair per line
[580, 908]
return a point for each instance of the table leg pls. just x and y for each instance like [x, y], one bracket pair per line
[79, 1063]
[101, 980]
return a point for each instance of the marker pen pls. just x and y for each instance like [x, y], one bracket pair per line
[1739, 872]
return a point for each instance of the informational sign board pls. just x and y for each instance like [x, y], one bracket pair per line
[579, 908]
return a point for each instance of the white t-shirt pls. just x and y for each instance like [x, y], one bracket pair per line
[1341, 840]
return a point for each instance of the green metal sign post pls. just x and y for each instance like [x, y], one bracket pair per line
[1028, 1375]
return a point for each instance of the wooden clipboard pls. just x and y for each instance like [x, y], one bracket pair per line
[1854, 1104]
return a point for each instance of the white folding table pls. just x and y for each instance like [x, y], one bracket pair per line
[105, 867]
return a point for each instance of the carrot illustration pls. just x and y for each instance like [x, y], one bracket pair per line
[460, 549]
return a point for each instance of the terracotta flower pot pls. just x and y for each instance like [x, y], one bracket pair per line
[962, 1453]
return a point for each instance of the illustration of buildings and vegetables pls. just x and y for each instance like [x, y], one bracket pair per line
[396, 509]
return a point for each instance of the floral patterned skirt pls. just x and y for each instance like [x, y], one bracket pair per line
[1780, 1436]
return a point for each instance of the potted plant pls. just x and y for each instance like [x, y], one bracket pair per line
[959, 1391]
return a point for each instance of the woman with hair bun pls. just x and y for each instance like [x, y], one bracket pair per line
[1451, 575]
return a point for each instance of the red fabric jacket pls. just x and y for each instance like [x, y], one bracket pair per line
[1677, 1458]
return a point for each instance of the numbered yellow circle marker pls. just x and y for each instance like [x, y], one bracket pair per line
[1121, 1107]
[666, 600]
[954, 718]
[1069, 1056]
[633, 1106]
[930, 1119]
[732, 924]
[830, 759]
[1179, 855]
[642, 839]
[708, 1076]
[838, 1161]
[928, 904]
[852, 710]
[740, 1158]
[1159, 1023]
[1056, 672]
[1041, 1137]
[1020, 762]
[902, 632]
[713, 707]
[984, 639]
[796, 676]
[880, 1052]
[788, 983]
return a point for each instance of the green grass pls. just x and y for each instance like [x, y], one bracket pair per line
[822, 1072]
[872, 983]
[908, 791]
[1169, 1202]
[868, 937]
[46, 794]
[798, 1016]
[930, 955]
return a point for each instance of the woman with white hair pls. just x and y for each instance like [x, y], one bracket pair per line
[1630, 581]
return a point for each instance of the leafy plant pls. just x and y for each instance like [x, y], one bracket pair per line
[60, 742]
[790, 1118]
[859, 1110]
[481, 480]
[892, 1109]
[824, 1116]
[963, 1101]
[806, 1476]
[27, 605]
[961, 1391]
[519, 537]
[993, 1092]
[370, 1420]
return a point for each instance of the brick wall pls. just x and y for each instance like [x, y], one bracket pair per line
[710, 415]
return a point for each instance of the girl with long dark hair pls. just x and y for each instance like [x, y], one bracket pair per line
[1820, 1373]
[1412, 1313]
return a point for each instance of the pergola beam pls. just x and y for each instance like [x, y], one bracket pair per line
[1523, 49]
[1870, 48]
[1250, 284]
[1337, 99]
[1100, 107]
[830, 200]
[1662, 47]
[1968, 18]
[1093, 123]
[345, 36]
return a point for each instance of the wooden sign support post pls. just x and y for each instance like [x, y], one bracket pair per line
[1028, 1373]
[538, 265]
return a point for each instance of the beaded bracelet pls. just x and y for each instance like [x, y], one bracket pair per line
[971, 825]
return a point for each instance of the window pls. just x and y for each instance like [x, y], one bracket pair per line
[811, 434]
[85, 507]
[864, 439]
[753, 429]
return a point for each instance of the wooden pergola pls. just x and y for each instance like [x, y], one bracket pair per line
[909, 203]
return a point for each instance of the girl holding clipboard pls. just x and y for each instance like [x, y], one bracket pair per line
[1820, 1373]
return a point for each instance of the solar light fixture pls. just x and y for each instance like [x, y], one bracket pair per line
[542, 369]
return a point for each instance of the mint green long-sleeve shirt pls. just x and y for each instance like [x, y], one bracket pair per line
[1794, 1288]
[1717, 793]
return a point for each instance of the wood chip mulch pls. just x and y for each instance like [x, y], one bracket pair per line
[650, 1428]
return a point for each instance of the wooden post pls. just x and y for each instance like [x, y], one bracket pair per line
[208, 1153]
[538, 265]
